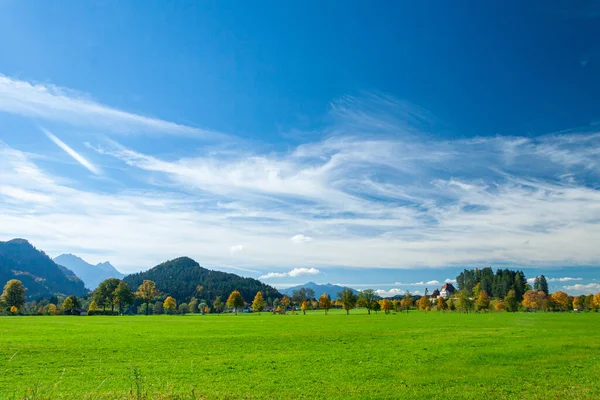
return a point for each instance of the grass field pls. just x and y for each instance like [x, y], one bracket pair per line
[415, 356]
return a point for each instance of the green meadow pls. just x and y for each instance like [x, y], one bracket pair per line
[336, 356]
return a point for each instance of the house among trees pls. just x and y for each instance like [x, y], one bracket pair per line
[447, 290]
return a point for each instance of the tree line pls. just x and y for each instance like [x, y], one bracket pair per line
[114, 297]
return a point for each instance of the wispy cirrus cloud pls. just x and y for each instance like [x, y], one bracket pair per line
[373, 191]
[50, 102]
[291, 274]
[76, 156]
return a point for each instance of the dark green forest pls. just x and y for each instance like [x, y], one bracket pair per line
[183, 278]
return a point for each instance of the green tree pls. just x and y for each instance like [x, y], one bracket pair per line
[464, 303]
[158, 308]
[235, 301]
[258, 304]
[367, 298]
[324, 302]
[170, 305]
[184, 308]
[104, 293]
[348, 299]
[71, 303]
[512, 304]
[541, 284]
[13, 294]
[218, 305]
[147, 292]
[123, 296]
[194, 305]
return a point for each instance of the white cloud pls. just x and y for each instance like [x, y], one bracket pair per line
[565, 279]
[550, 280]
[238, 248]
[292, 274]
[374, 192]
[433, 282]
[76, 156]
[51, 102]
[448, 280]
[421, 283]
[590, 288]
[299, 239]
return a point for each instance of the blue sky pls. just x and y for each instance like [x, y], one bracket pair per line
[376, 144]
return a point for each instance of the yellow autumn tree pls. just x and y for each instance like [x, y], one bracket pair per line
[560, 301]
[14, 310]
[577, 303]
[170, 305]
[596, 301]
[52, 309]
[285, 302]
[206, 310]
[93, 306]
[235, 301]
[259, 302]
[325, 302]
[500, 306]
[483, 301]
[305, 306]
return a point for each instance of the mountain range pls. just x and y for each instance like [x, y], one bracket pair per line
[319, 289]
[40, 275]
[91, 275]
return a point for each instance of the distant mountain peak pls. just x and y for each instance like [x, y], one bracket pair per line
[91, 275]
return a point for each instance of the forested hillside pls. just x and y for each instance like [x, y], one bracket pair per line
[183, 278]
[39, 274]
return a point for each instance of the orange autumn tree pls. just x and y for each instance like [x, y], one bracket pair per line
[423, 303]
[386, 306]
[534, 300]
[560, 301]
[441, 304]
[483, 301]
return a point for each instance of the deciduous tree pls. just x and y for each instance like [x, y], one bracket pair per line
[258, 304]
[170, 305]
[93, 306]
[597, 301]
[423, 303]
[483, 301]
[305, 306]
[147, 292]
[348, 299]
[158, 308]
[385, 306]
[441, 304]
[105, 293]
[464, 303]
[500, 306]
[367, 298]
[534, 300]
[123, 296]
[13, 294]
[218, 305]
[407, 301]
[184, 308]
[235, 301]
[511, 301]
[325, 302]
[284, 303]
[560, 301]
